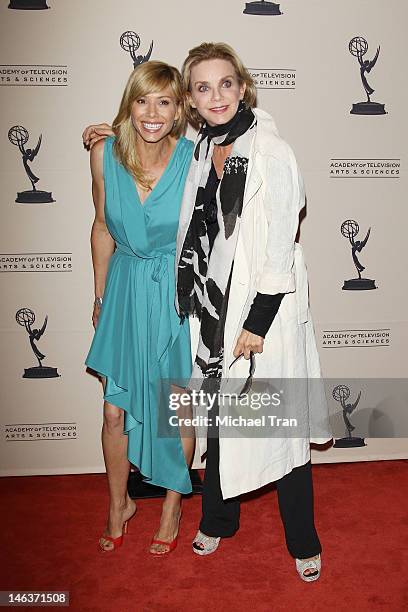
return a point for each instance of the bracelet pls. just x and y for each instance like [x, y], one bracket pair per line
[98, 302]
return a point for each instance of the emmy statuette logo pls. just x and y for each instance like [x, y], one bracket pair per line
[358, 47]
[341, 394]
[28, 5]
[350, 229]
[25, 317]
[130, 42]
[19, 136]
[263, 7]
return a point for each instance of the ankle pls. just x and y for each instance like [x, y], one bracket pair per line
[118, 506]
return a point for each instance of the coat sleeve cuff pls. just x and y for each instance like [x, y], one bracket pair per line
[276, 283]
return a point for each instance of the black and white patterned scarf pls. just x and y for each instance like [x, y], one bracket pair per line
[203, 281]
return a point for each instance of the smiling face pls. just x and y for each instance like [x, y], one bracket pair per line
[154, 114]
[215, 90]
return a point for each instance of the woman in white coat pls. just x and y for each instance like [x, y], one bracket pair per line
[241, 272]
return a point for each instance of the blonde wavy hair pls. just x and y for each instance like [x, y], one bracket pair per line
[209, 51]
[150, 77]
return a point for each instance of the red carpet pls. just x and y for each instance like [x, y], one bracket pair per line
[51, 526]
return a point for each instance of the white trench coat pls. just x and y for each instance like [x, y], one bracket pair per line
[267, 260]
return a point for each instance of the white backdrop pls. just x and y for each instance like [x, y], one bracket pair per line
[64, 68]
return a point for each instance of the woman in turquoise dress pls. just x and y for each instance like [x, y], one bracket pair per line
[138, 179]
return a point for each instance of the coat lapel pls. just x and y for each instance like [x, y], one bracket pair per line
[254, 182]
[254, 179]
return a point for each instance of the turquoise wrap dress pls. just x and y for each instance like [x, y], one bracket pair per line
[140, 339]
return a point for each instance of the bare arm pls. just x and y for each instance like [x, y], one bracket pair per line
[102, 243]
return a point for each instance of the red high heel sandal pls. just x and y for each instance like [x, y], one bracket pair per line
[170, 545]
[117, 542]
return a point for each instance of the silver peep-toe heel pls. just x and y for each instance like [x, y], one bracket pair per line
[313, 564]
[205, 545]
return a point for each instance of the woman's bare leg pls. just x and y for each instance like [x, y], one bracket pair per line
[114, 444]
[169, 522]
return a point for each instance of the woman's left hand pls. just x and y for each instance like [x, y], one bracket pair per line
[95, 132]
[247, 343]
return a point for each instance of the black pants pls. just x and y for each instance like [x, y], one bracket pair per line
[295, 496]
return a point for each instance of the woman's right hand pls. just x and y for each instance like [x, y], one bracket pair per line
[95, 314]
[93, 133]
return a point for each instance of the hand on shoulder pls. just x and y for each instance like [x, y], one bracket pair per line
[95, 133]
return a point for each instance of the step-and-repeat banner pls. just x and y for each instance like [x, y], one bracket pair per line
[331, 73]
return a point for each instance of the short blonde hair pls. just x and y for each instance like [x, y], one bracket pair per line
[209, 51]
[150, 77]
